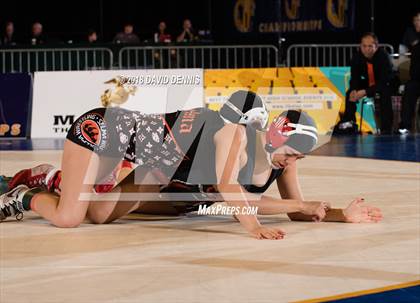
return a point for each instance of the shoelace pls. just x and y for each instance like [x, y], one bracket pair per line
[38, 180]
[6, 209]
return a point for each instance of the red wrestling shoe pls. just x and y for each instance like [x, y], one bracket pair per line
[106, 185]
[44, 176]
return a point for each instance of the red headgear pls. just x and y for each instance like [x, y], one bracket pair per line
[281, 130]
[276, 135]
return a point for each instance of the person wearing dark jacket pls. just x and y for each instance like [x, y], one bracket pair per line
[37, 34]
[371, 74]
[412, 34]
[411, 92]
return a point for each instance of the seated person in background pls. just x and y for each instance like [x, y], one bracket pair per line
[8, 37]
[371, 74]
[411, 35]
[37, 35]
[188, 33]
[411, 92]
[92, 37]
[161, 36]
[127, 36]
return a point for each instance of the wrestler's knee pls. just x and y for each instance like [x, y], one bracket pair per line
[67, 221]
[98, 216]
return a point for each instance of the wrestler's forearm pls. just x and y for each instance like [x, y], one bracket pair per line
[235, 196]
[272, 206]
[332, 215]
[249, 222]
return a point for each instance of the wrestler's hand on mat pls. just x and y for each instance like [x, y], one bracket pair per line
[270, 233]
[316, 209]
[358, 212]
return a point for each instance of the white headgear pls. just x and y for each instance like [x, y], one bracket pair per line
[256, 117]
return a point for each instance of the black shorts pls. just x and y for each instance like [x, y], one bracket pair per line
[124, 134]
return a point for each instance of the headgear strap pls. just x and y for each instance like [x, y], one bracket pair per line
[281, 129]
[256, 114]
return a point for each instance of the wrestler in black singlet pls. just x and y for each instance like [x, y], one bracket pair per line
[185, 184]
[180, 143]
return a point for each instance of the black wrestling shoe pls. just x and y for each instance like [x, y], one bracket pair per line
[403, 132]
[11, 203]
[346, 128]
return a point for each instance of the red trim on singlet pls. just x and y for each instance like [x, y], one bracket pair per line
[173, 138]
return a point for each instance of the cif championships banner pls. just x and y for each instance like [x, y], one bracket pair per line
[60, 97]
[260, 16]
[15, 96]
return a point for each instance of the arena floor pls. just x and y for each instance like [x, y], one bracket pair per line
[212, 259]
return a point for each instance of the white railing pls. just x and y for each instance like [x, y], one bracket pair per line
[214, 56]
[55, 59]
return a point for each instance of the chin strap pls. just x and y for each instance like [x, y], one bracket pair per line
[303, 130]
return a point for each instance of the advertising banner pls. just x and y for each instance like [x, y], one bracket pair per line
[319, 91]
[15, 97]
[60, 97]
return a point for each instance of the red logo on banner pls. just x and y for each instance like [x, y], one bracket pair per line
[91, 132]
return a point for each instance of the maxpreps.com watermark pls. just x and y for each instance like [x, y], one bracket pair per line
[161, 80]
[221, 209]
